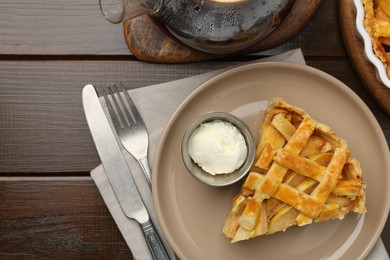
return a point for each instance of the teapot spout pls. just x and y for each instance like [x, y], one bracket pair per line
[116, 11]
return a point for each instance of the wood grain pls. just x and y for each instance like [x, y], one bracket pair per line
[150, 41]
[43, 123]
[58, 27]
[355, 48]
[57, 218]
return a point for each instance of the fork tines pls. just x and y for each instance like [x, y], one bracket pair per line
[121, 103]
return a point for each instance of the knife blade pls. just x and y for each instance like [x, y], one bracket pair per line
[117, 171]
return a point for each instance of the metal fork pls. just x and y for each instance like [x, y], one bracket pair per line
[129, 126]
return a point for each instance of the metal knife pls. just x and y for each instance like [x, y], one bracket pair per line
[118, 172]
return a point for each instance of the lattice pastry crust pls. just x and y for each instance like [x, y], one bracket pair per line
[303, 172]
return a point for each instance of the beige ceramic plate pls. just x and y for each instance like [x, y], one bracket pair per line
[191, 214]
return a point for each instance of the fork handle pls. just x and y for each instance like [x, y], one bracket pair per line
[154, 243]
[143, 161]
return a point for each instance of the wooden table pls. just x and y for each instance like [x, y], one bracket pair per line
[49, 205]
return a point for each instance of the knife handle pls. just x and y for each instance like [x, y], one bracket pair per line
[154, 243]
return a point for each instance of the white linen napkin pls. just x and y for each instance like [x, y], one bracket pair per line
[156, 104]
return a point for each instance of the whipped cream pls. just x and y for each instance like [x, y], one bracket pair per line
[218, 147]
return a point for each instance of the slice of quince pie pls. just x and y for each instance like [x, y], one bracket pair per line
[303, 172]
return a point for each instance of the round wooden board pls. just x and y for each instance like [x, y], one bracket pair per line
[355, 49]
[150, 41]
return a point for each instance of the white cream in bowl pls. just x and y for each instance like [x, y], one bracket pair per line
[218, 147]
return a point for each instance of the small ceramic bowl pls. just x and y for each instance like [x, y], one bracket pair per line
[219, 179]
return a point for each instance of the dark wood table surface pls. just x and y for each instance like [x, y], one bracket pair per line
[49, 49]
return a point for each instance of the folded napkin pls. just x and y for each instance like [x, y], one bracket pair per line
[156, 104]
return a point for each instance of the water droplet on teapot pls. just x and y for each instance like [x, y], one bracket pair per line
[210, 27]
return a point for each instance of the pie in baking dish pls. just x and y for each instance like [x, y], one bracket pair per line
[303, 172]
[377, 24]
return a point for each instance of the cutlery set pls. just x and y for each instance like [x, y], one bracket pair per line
[133, 135]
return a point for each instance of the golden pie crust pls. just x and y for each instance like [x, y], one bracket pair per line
[303, 172]
[377, 24]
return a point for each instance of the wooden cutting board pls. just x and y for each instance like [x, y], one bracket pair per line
[355, 49]
[150, 41]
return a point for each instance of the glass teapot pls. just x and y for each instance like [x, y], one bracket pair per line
[213, 26]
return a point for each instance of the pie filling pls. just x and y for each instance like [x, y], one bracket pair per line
[377, 24]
